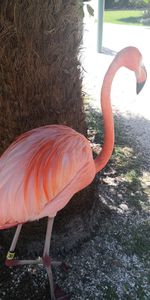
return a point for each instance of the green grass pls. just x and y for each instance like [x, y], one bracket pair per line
[126, 17]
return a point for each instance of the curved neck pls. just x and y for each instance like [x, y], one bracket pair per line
[107, 148]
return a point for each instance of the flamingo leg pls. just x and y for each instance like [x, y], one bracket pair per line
[56, 292]
[46, 257]
[11, 253]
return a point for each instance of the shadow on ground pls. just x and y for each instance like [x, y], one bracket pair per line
[109, 230]
[133, 20]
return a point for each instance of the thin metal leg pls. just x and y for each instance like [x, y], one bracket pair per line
[46, 258]
[15, 239]
[48, 236]
[11, 253]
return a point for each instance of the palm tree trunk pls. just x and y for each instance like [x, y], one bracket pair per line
[40, 69]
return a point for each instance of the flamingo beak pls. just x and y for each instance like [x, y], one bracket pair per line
[141, 79]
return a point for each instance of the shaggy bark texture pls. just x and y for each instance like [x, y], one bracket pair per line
[40, 71]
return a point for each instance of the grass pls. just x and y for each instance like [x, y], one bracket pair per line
[126, 17]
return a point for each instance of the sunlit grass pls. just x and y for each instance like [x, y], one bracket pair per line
[126, 17]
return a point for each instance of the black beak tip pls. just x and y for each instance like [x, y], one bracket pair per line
[139, 86]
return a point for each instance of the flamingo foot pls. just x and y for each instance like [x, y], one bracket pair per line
[60, 294]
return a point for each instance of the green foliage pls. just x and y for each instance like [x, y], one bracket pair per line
[146, 1]
[90, 10]
[147, 11]
[125, 3]
[109, 4]
[82, 4]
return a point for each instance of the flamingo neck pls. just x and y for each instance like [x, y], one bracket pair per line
[107, 148]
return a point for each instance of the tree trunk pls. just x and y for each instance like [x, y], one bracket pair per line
[40, 70]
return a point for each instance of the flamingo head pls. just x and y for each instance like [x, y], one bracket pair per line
[132, 59]
[141, 77]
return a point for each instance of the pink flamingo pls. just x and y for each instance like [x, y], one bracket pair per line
[43, 168]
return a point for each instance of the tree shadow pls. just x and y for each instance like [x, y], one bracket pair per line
[123, 174]
[116, 194]
[135, 20]
[117, 189]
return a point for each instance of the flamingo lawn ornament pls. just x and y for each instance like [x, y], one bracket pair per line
[43, 168]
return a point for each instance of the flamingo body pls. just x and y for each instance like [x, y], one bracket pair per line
[45, 167]
[41, 171]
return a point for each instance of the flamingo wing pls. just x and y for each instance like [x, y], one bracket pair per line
[41, 171]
